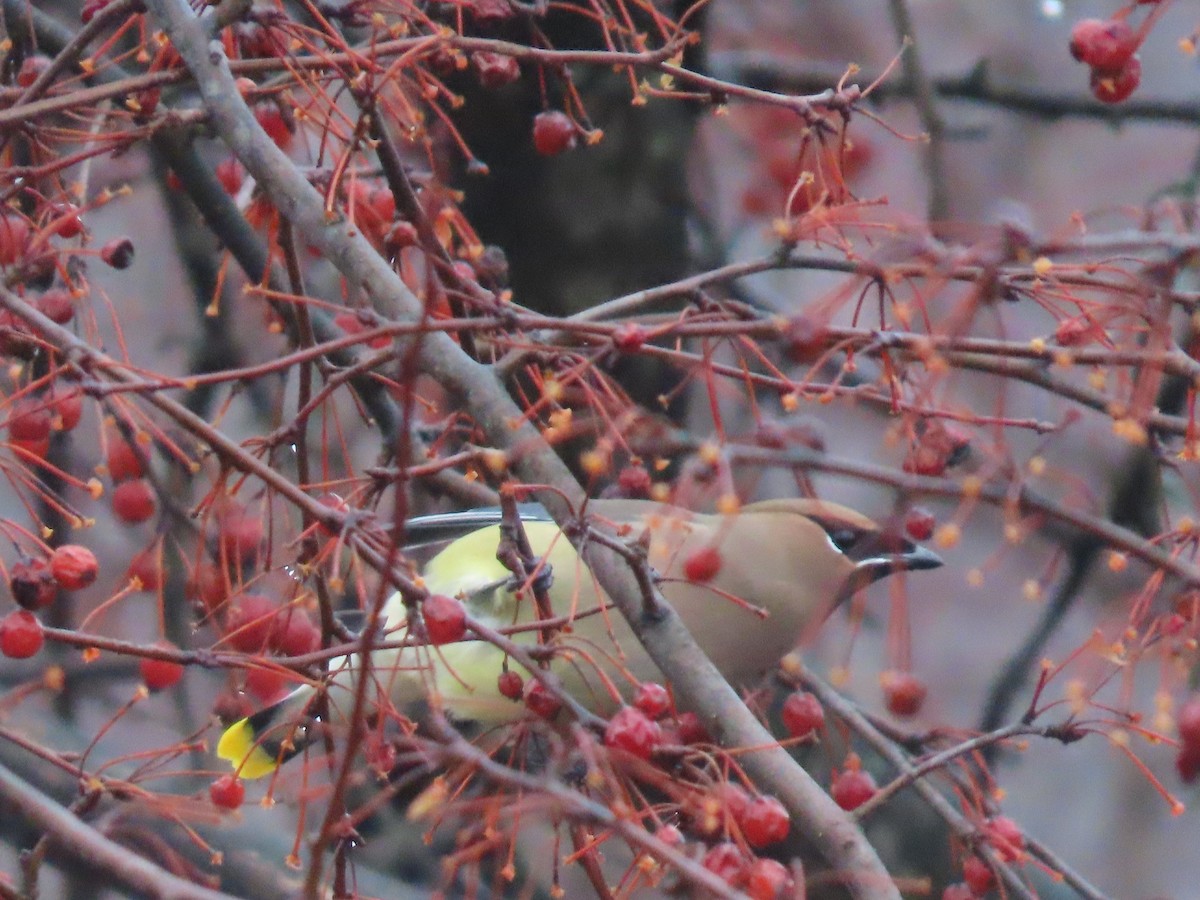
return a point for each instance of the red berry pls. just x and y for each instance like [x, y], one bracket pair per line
[160, 674]
[1005, 837]
[400, 235]
[495, 70]
[32, 584]
[765, 822]
[1189, 722]
[553, 132]
[802, 714]
[629, 337]
[1187, 763]
[56, 305]
[14, 238]
[852, 788]
[293, 633]
[919, 523]
[248, 622]
[540, 701]
[122, 460]
[146, 568]
[30, 420]
[31, 68]
[634, 482]
[633, 731]
[445, 619]
[732, 800]
[1075, 331]
[268, 685]
[1103, 43]
[690, 730]
[68, 407]
[351, 324]
[118, 253]
[67, 216]
[231, 175]
[769, 879]
[208, 586]
[20, 634]
[805, 339]
[727, 862]
[702, 565]
[73, 567]
[278, 127]
[133, 501]
[653, 699]
[978, 875]
[903, 692]
[240, 533]
[510, 685]
[1116, 85]
[958, 892]
[227, 792]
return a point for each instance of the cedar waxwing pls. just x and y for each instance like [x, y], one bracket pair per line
[794, 560]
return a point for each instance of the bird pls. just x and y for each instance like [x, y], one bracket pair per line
[746, 584]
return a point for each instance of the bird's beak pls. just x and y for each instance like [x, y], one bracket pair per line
[902, 556]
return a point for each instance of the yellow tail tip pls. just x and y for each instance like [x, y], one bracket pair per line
[239, 746]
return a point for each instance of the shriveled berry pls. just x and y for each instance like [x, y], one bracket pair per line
[802, 714]
[653, 699]
[553, 132]
[32, 584]
[765, 822]
[903, 692]
[133, 501]
[769, 879]
[73, 567]
[633, 731]
[20, 634]
[1103, 43]
[445, 619]
[160, 674]
[852, 788]
[118, 253]
[727, 862]
[510, 685]
[702, 565]
[540, 701]
[495, 69]
[227, 792]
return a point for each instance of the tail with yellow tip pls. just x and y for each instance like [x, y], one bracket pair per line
[256, 745]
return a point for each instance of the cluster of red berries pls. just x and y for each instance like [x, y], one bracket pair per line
[34, 584]
[32, 420]
[1003, 837]
[1109, 48]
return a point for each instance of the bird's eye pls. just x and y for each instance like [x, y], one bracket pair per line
[843, 538]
